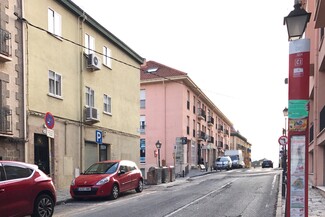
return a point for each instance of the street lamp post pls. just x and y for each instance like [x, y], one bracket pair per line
[298, 99]
[158, 145]
[284, 155]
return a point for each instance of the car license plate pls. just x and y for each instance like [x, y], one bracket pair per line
[84, 189]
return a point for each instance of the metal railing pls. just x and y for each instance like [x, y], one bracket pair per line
[5, 42]
[5, 120]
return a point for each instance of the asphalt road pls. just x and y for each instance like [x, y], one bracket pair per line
[235, 193]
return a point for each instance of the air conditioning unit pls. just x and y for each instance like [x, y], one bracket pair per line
[93, 62]
[91, 114]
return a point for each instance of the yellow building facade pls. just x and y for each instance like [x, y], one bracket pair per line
[239, 142]
[82, 105]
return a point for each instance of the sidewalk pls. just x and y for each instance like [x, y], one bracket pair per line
[316, 201]
[316, 195]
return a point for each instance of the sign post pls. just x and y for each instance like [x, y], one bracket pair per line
[297, 185]
[283, 140]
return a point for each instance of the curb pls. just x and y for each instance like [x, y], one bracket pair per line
[279, 201]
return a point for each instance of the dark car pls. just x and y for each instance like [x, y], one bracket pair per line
[25, 190]
[267, 164]
[107, 179]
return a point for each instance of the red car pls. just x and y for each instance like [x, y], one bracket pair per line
[107, 179]
[25, 190]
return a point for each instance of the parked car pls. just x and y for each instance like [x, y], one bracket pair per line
[107, 179]
[223, 162]
[267, 164]
[25, 190]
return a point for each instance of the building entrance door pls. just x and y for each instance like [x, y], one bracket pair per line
[42, 152]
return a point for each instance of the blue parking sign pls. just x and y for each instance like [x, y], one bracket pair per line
[99, 137]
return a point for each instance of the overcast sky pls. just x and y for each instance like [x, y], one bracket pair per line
[235, 51]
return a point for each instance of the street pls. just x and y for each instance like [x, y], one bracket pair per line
[234, 193]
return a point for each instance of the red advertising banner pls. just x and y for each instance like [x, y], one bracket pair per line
[299, 59]
[297, 176]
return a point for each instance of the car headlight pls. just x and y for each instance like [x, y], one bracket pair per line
[73, 182]
[103, 181]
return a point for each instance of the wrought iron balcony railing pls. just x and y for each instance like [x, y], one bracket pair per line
[201, 114]
[5, 120]
[201, 135]
[210, 120]
[5, 43]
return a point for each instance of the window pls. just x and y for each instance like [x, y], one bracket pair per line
[322, 119]
[107, 104]
[188, 125]
[54, 22]
[55, 82]
[188, 100]
[142, 124]
[193, 104]
[142, 151]
[89, 44]
[102, 152]
[142, 99]
[16, 172]
[2, 173]
[106, 57]
[193, 128]
[90, 97]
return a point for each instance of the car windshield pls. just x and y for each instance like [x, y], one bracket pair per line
[222, 159]
[102, 168]
[234, 157]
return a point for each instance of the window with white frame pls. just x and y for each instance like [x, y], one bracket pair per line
[54, 22]
[142, 124]
[107, 61]
[55, 84]
[142, 98]
[89, 44]
[90, 97]
[107, 104]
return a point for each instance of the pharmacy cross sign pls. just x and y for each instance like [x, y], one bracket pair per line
[283, 140]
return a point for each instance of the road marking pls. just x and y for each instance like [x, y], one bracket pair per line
[273, 184]
[272, 188]
[198, 199]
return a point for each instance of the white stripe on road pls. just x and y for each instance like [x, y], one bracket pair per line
[198, 199]
[273, 184]
[272, 188]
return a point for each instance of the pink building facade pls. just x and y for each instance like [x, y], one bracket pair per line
[315, 32]
[175, 111]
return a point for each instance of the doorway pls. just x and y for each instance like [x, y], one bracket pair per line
[41, 152]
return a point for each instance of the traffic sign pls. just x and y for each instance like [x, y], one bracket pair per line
[49, 120]
[99, 137]
[283, 140]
